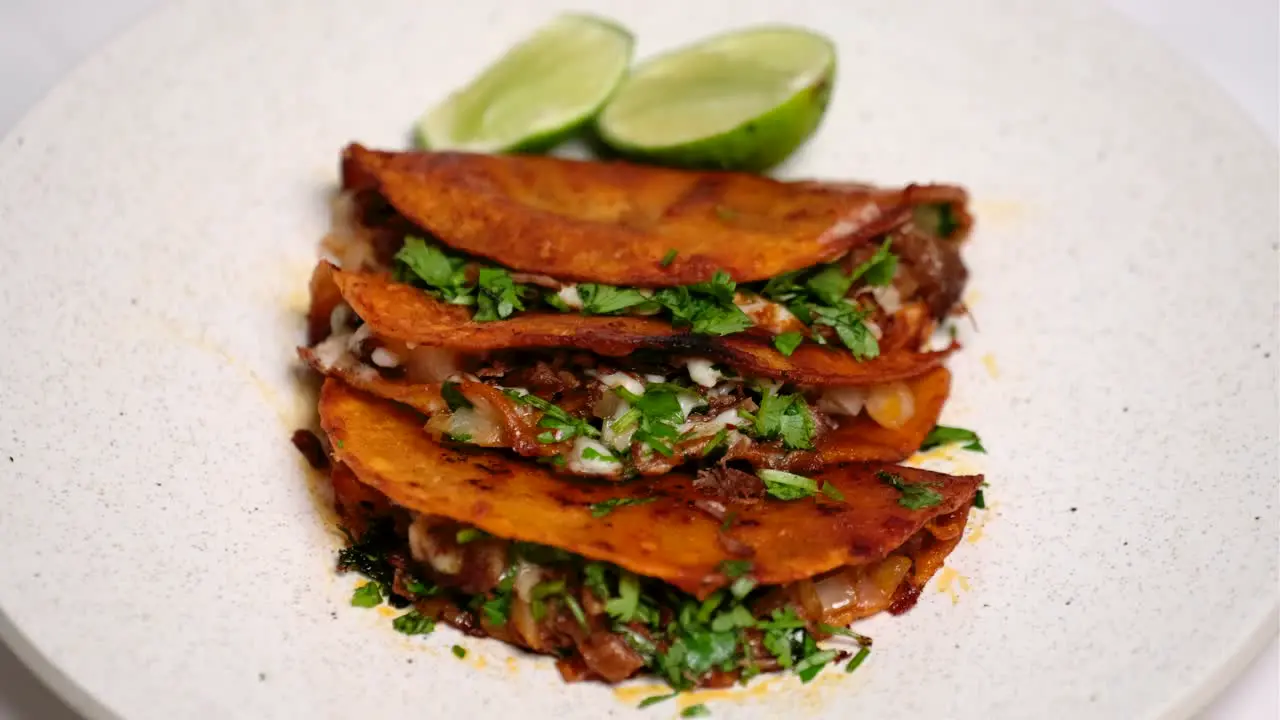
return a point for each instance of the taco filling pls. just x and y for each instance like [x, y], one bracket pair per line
[639, 419]
[618, 585]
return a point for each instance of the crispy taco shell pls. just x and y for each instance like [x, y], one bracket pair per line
[616, 223]
[665, 537]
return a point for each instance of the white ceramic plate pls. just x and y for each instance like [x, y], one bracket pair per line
[162, 552]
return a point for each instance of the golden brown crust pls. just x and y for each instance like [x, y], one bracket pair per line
[383, 443]
[613, 222]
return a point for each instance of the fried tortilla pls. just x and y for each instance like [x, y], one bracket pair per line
[857, 439]
[406, 314]
[618, 223]
[661, 535]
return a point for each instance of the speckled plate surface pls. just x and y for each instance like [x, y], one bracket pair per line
[163, 555]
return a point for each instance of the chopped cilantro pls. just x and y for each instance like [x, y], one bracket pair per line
[444, 275]
[787, 342]
[829, 285]
[943, 435]
[497, 608]
[590, 453]
[419, 588]
[737, 617]
[604, 507]
[915, 496]
[819, 299]
[459, 437]
[850, 325]
[695, 711]
[734, 568]
[369, 556]
[857, 659]
[629, 420]
[809, 667]
[861, 639]
[593, 575]
[832, 492]
[741, 587]
[466, 535]
[552, 298]
[655, 699]
[572, 603]
[564, 425]
[413, 623]
[786, 417]
[453, 397]
[654, 415]
[459, 652]
[669, 258]
[367, 595]
[608, 299]
[706, 308]
[547, 589]
[624, 606]
[979, 500]
[499, 295]
[787, 486]
[879, 269]
[718, 441]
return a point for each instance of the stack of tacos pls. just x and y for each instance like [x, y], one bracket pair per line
[645, 420]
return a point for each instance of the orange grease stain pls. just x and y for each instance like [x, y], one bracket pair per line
[952, 583]
[989, 362]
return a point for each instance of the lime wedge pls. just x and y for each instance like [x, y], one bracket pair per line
[538, 93]
[741, 101]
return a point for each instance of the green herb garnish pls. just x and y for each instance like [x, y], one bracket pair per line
[453, 396]
[590, 453]
[367, 595]
[734, 568]
[879, 269]
[669, 258]
[915, 496]
[857, 659]
[563, 426]
[810, 666]
[607, 299]
[466, 535]
[459, 652]
[787, 486]
[413, 623]
[943, 435]
[787, 342]
[444, 275]
[695, 711]
[655, 699]
[786, 417]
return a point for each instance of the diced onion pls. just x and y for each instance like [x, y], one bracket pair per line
[843, 401]
[857, 592]
[569, 295]
[424, 548]
[383, 357]
[703, 372]
[581, 465]
[623, 380]
[480, 425]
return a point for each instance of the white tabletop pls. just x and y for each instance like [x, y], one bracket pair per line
[1235, 42]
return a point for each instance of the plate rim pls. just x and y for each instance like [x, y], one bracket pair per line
[1181, 705]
